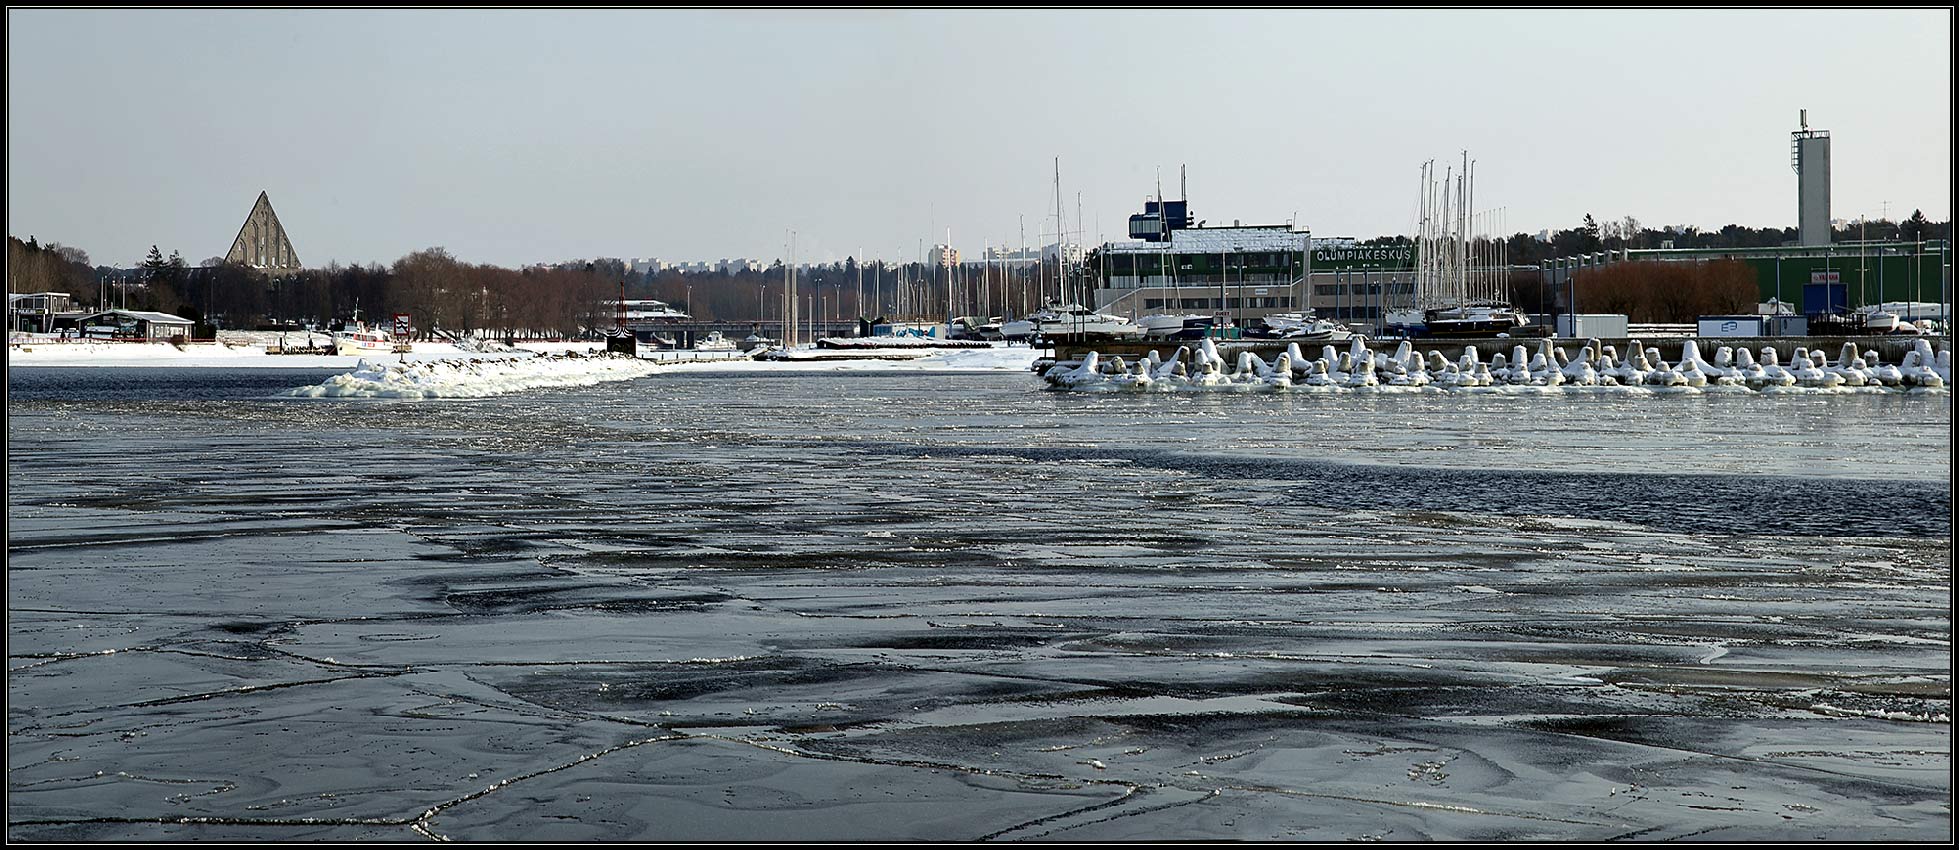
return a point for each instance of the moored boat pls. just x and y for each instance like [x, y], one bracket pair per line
[1473, 320]
[1176, 326]
[1319, 330]
[1070, 322]
[714, 341]
[359, 341]
[975, 328]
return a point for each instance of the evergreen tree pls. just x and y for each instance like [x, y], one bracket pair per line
[154, 264]
[1914, 227]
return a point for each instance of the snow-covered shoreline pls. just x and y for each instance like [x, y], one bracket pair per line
[92, 354]
[242, 353]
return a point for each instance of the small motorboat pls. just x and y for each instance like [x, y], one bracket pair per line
[359, 341]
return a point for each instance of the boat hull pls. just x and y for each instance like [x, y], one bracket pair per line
[354, 348]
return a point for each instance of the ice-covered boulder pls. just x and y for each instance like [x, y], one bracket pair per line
[1318, 376]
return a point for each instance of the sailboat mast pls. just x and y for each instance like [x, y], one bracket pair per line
[1422, 251]
[782, 298]
[1478, 264]
[1462, 229]
[1448, 225]
[795, 304]
[1060, 224]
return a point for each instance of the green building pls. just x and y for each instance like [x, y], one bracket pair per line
[1812, 279]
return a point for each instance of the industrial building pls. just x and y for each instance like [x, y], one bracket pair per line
[1812, 280]
[1814, 277]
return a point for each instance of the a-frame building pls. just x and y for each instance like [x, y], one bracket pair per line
[262, 242]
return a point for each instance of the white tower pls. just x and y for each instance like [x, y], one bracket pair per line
[1809, 155]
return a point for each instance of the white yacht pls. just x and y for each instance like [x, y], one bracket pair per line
[714, 341]
[1318, 330]
[1879, 321]
[359, 341]
[1177, 325]
[975, 327]
[1075, 322]
[1018, 329]
[1281, 323]
[1473, 320]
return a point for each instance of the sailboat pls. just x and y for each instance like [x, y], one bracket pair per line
[1064, 319]
[1164, 324]
[1306, 327]
[1459, 292]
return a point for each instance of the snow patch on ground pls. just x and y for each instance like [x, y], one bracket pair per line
[249, 351]
[198, 355]
[474, 378]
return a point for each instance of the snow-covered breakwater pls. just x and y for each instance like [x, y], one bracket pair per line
[475, 377]
[1550, 368]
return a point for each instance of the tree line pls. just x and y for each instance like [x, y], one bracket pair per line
[1594, 236]
[444, 294]
[1667, 292]
[53, 267]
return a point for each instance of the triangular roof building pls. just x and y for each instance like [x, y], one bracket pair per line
[262, 241]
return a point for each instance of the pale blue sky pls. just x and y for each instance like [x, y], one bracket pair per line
[519, 136]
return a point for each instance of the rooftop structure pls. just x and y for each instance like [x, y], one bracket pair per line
[631, 311]
[133, 324]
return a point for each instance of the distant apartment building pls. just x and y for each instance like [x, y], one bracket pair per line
[1011, 256]
[944, 256]
[1026, 256]
[1070, 252]
[646, 265]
